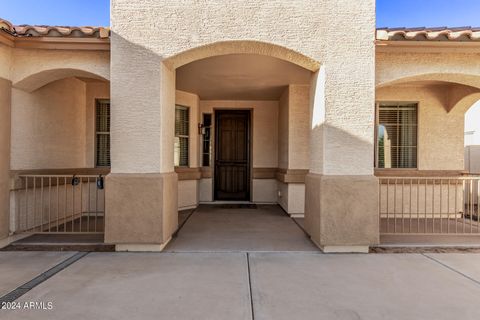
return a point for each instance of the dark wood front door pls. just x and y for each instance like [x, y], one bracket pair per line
[232, 155]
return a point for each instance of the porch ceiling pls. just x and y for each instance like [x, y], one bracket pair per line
[240, 77]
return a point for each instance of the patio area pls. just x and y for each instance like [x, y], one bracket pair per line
[239, 228]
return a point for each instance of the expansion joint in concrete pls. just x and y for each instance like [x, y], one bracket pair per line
[21, 290]
[451, 269]
[250, 293]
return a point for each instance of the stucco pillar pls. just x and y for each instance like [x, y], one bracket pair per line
[294, 149]
[341, 204]
[5, 129]
[141, 191]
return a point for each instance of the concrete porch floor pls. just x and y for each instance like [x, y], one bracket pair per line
[225, 228]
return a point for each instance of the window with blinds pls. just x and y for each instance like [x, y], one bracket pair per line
[102, 133]
[181, 136]
[206, 145]
[397, 135]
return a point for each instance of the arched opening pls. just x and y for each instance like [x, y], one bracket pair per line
[37, 80]
[60, 129]
[54, 121]
[242, 47]
[424, 184]
[472, 139]
[440, 101]
[471, 80]
[241, 135]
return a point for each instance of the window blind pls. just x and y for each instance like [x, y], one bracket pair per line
[102, 129]
[397, 135]
[181, 136]
[206, 146]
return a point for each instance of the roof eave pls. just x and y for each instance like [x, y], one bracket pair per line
[387, 45]
[56, 43]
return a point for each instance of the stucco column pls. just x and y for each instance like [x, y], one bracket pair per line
[141, 191]
[341, 205]
[5, 129]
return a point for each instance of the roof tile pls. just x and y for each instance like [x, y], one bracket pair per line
[429, 34]
[54, 31]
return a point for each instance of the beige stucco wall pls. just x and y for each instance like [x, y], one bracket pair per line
[282, 195]
[294, 143]
[440, 133]
[299, 127]
[445, 64]
[6, 65]
[296, 198]
[301, 27]
[54, 126]
[292, 197]
[33, 68]
[319, 30]
[5, 99]
[187, 194]
[48, 126]
[5, 118]
[205, 190]
[294, 128]
[264, 191]
[348, 90]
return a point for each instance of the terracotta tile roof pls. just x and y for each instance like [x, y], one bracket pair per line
[54, 31]
[429, 34]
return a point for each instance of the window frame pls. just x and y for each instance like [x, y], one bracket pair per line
[210, 141]
[188, 109]
[95, 154]
[377, 124]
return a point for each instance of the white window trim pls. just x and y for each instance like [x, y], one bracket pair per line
[188, 109]
[377, 119]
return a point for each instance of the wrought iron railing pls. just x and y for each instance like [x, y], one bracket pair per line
[59, 204]
[429, 205]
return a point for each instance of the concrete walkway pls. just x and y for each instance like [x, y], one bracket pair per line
[214, 228]
[17, 268]
[241, 264]
[288, 285]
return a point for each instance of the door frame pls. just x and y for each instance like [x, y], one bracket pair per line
[249, 111]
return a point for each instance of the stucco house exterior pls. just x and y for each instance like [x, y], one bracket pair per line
[298, 103]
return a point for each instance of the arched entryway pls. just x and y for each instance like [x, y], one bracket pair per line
[425, 190]
[60, 153]
[307, 139]
[242, 121]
